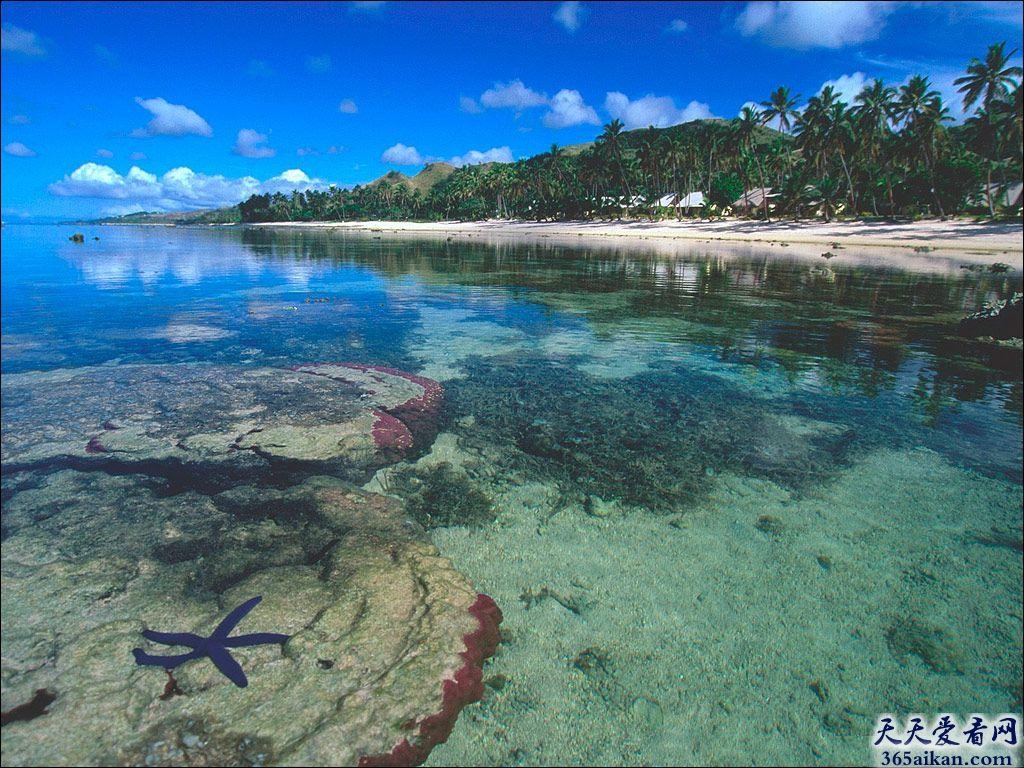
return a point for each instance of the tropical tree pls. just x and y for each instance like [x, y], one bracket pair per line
[990, 81]
[610, 141]
[922, 113]
[781, 106]
[873, 113]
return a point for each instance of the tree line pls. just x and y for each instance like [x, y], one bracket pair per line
[890, 153]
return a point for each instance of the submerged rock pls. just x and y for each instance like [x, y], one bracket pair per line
[414, 400]
[1002, 320]
[387, 638]
[215, 425]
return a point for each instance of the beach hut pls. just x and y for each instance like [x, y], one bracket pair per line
[679, 203]
[691, 200]
[753, 200]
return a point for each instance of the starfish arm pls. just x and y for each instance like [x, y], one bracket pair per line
[231, 620]
[173, 638]
[225, 663]
[257, 638]
[167, 662]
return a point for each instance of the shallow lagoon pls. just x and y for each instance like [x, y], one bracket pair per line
[733, 506]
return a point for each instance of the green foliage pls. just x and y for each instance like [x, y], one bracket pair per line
[725, 189]
[890, 153]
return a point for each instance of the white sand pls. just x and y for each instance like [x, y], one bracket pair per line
[725, 645]
[921, 245]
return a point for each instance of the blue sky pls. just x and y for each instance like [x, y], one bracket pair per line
[119, 107]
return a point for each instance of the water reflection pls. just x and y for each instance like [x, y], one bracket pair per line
[834, 327]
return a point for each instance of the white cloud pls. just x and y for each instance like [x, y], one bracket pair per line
[17, 149]
[677, 25]
[512, 95]
[469, 105]
[847, 87]
[19, 40]
[171, 120]
[137, 156]
[569, 15]
[817, 24]
[659, 111]
[179, 188]
[567, 109]
[400, 154]
[104, 153]
[475, 157]
[251, 143]
[318, 63]
[348, 107]
[19, 120]
[367, 5]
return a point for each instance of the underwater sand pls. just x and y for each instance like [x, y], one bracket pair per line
[703, 639]
[733, 506]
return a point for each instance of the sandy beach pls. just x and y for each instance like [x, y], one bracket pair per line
[928, 244]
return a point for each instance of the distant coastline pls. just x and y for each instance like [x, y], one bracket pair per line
[903, 243]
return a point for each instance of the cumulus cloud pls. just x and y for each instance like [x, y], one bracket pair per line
[19, 120]
[17, 149]
[18, 40]
[318, 63]
[659, 111]
[677, 25]
[469, 105]
[512, 95]
[847, 87]
[399, 154]
[475, 157]
[136, 156]
[567, 109]
[804, 25]
[171, 120]
[251, 143]
[348, 107]
[179, 188]
[104, 153]
[569, 15]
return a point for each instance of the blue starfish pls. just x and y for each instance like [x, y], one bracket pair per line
[215, 646]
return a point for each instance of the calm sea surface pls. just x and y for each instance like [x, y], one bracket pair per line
[756, 400]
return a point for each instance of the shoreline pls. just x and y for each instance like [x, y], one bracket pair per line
[915, 245]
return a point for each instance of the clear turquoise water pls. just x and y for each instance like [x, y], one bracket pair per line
[609, 379]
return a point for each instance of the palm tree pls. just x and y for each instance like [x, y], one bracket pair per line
[873, 115]
[610, 140]
[825, 132]
[744, 126]
[922, 112]
[780, 106]
[991, 81]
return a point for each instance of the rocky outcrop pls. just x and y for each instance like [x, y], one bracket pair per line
[386, 637]
[219, 424]
[414, 400]
[158, 497]
[1002, 320]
